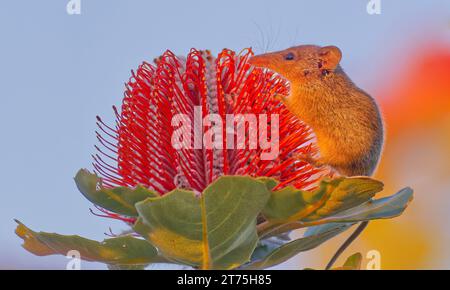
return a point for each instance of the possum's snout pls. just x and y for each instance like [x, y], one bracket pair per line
[261, 61]
[273, 62]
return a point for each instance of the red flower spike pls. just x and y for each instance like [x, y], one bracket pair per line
[138, 149]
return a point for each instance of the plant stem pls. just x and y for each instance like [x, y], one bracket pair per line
[347, 243]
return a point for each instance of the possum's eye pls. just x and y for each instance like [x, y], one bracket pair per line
[289, 56]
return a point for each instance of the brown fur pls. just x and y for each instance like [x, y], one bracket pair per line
[345, 119]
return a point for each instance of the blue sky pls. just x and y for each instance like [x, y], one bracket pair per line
[58, 71]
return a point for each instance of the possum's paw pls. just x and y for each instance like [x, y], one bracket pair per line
[308, 158]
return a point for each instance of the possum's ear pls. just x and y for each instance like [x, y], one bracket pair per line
[330, 56]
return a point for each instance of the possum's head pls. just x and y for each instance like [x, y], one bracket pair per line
[302, 63]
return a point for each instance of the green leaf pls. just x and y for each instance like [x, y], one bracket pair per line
[216, 230]
[120, 200]
[291, 205]
[173, 223]
[353, 262]
[383, 208]
[318, 230]
[291, 249]
[115, 251]
[127, 267]
[266, 246]
[332, 196]
[347, 193]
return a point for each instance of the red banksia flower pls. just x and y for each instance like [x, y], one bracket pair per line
[138, 149]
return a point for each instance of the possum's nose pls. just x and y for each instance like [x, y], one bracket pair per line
[260, 60]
